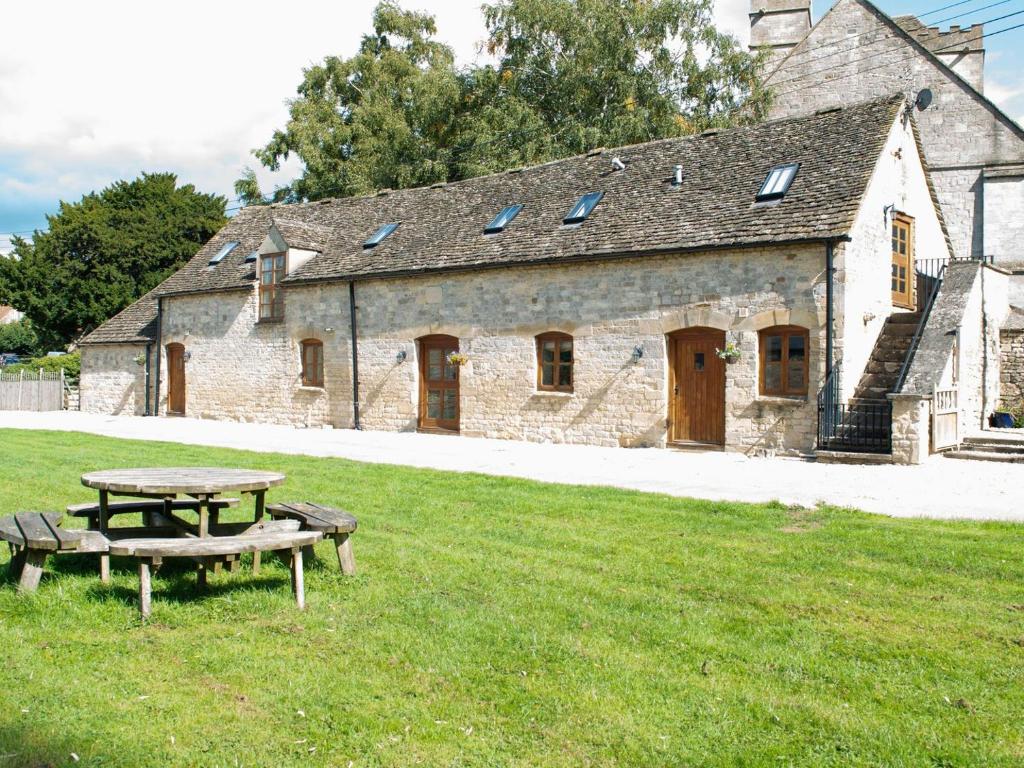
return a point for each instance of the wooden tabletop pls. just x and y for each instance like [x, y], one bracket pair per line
[187, 480]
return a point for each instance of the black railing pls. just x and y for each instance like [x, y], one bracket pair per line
[862, 426]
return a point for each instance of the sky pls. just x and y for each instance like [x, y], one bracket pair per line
[95, 92]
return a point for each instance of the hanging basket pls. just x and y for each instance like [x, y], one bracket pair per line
[731, 354]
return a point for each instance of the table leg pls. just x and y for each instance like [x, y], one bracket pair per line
[298, 585]
[260, 497]
[103, 519]
[204, 516]
[145, 589]
[201, 575]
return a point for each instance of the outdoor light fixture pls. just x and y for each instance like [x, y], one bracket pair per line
[638, 352]
[187, 356]
[402, 354]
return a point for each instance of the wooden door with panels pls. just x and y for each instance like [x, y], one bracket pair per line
[696, 386]
[903, 277]
[439, 384]
[176, 379]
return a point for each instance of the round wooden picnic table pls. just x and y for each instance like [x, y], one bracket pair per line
[201, 483]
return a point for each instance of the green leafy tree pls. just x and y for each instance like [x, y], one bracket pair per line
[102, 253]
[569, 75]
[19, 337]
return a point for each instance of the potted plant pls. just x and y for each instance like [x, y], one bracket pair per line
[457, 358]
[731, 353]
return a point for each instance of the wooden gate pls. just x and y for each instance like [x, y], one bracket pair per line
[945, 419]
[42, 391]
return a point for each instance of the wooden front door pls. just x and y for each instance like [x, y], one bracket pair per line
[176, 379]
[696, 386]
[439, 384]
[903, 261]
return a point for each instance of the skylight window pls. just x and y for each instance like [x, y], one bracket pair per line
[225, 249]
[583, 207]
[252, 257]
[503, 219]
[777, 183]
[380, 234]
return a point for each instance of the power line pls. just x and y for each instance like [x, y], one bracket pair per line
[952, 46]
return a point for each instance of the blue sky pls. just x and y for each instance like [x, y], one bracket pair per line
[95, 92]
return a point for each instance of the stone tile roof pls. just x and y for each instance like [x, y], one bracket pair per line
[441, 227]
[135, 324]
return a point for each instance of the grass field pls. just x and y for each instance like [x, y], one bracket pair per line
[504, 622]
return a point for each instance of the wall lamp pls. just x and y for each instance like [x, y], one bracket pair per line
[402, 354]
[187, 356]
[638, 352]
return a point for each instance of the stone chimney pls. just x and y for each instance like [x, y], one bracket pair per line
[959, 49]
[778, 25]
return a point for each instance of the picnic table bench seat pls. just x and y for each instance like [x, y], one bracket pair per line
[91, 510]
[261, 537]
[32, 537]
[335, 524]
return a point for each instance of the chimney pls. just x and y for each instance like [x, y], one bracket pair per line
[778, 25]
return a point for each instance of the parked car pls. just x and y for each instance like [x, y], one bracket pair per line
[9, 358]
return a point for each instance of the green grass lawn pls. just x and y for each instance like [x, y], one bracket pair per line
[505, 622]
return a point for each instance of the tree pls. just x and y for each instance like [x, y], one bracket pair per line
[570, 75]
[19, 337]
[104, 252]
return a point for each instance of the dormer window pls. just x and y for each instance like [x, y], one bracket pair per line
[777, 182]
[503, 219]
[225, 249]
[579, 212]
[380, 234]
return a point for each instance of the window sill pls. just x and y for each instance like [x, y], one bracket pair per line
[307, 388]
[791, 401]
[270, 321]
[552, 393]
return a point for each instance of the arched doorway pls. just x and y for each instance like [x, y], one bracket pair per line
[439, 384]
[176, 379]
[696, 386]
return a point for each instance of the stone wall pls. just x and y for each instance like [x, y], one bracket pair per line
[961, 132]
[111, 382]
[1012, 370]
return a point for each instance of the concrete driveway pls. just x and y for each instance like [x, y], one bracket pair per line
[941, 488]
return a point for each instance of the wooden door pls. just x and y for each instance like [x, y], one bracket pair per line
[697, 387]
[903, 261]
[176, 379]
[439, 384]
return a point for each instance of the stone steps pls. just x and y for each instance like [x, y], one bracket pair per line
[883, 368]
[1008, 449]
[1005, 458]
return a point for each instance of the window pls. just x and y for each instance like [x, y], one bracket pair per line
[252, 257]
[224, 251]
[271, 293]
[503, 219]
[312, 363]
[784, 361]
[778, 181]
[379, 235]
[583, 207]
[554, 362]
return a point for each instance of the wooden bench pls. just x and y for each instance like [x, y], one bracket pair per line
[335, 524]
[32, 537]
[262, 537]
[91, 510]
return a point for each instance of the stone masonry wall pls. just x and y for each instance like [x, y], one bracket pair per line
[609, 309]
[864, 59]
[111, 382]
[1012, 370]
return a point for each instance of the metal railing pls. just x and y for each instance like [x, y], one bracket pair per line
[862, 426]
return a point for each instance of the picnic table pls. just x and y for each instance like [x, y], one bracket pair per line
[203, 484]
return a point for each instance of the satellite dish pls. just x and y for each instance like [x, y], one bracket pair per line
[924, 99]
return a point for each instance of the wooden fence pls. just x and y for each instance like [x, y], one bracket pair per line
[32, 392]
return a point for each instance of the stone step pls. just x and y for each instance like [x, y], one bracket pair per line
[973, 444]
[893, 330]
[884, 367]
[904, 318]
[852, 457]
[1005, 458]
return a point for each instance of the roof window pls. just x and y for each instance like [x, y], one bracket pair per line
[380, 234]
[778, 181]
[251, 258]
[583, 207]
[225, 249]
[503, 219]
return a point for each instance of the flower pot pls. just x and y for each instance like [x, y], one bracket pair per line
[730, 359]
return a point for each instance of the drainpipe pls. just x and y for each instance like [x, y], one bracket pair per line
[829, 302]
[984, 351]
[149, 349]
[355, 354]
[159, 351]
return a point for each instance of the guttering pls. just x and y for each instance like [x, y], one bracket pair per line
[355, 354]
[149, 349]
[159, 353]
[830, 278]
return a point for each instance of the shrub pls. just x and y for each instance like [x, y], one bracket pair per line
[19, 337]
[72, 365]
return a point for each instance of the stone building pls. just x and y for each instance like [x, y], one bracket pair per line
[974, 151]
[695, 291]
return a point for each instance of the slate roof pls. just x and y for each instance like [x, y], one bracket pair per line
[441, 227]
[300, 234]
[134, 324]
